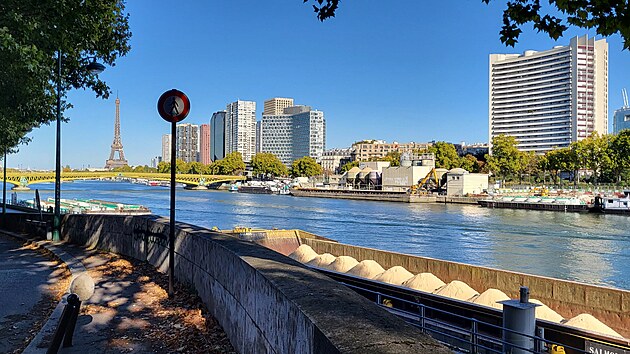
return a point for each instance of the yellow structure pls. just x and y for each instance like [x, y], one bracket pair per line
[23, 179]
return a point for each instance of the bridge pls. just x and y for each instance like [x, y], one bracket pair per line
[24, 179]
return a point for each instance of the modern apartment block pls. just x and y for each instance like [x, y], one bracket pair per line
[551, 98]
[374, 149]
[217, 136]
[187, 142]
[276, 106]
[240, 128]
[621, 118]
[204, 144]
[166, 148]
[299, 131]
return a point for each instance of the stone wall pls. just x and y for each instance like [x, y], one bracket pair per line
[569, 299]
[265, 302]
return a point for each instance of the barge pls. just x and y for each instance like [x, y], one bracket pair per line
[537, 203]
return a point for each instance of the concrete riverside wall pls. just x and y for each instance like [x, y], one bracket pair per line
[265, 302]
[569, 299]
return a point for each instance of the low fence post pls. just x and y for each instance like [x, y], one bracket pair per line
[519, 324]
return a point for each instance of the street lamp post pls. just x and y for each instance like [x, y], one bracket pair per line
[94, 68]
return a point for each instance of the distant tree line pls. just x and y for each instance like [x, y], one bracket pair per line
[262, 163]
[605, 157]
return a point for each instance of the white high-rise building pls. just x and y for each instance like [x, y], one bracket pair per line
[240, 128]
[166, 148]
[299, 131]
[188, 142]
[549, 99]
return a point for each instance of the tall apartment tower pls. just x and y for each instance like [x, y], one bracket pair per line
[548, 99]
[217, 139]
[258, 136]
[204, 144]
[299, 131]
[166, 148]
[240, 128]
[187, 142]
[276, 106]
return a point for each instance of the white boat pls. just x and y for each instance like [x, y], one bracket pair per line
[615, 205]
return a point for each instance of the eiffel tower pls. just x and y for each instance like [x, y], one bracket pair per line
[117, 146]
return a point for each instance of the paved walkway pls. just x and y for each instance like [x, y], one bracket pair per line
[130, 311]
[27, 292]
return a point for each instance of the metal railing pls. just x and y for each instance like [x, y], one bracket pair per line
[476, 337]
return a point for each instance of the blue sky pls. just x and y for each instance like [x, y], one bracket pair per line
[408, 71]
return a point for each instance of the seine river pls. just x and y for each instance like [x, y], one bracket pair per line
[582, 247]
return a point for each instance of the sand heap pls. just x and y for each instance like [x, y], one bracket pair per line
[395, 275]
[424, 282]
[303, 254]
[545, 313]
[342, 264]
[490, 297]
[322, 260]
[457, 290]
[366, 269]
[590, 323]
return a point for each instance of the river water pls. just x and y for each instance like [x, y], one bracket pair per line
[589, 248]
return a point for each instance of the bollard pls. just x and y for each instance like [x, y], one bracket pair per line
[519, 316]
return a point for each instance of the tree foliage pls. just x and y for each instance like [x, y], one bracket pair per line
[232, 164]
[505, 159]
[445, 155]
[268, 164]
[32, 33]
[607, 17]
[305, 167]
[393, 157]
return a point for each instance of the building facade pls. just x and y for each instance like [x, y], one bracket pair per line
[276, 106]
[549, 99]
[240, 128]
[204, 144]
[375, 149]
[299, 131]
[187, 142]
[258, 136]
[621, 118]
[166, 147]
[217, 136]
[333, 159]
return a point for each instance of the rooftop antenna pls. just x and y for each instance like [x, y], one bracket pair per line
[624, 94]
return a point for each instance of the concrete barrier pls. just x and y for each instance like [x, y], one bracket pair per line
[265, 302]
[568, 298]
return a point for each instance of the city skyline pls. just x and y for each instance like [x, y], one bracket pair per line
[376, 84]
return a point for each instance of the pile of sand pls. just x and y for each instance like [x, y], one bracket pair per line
[590, 323]
[395, 275]
[322, 260]
[545, 313]
[303, 254]
[342, 264]
[490, 297]
[457, 290]
[366, 269]
[424, 282]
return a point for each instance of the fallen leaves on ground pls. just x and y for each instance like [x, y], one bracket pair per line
[179, 324]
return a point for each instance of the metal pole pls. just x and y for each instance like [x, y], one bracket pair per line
[4, 185]
[57, 216]
[171, 236]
